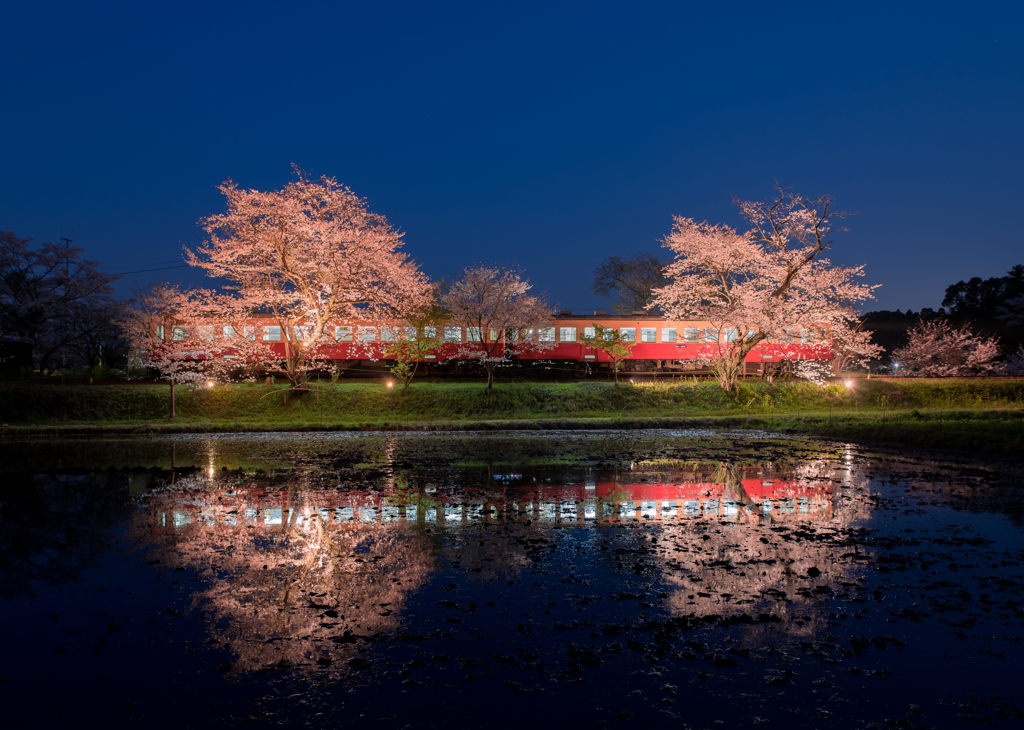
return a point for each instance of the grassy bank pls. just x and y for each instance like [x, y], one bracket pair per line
[975, 414]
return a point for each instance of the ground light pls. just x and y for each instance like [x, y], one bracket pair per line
[849, 383]
[391, 385]
[209, 383]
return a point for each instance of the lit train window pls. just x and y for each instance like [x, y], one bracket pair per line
[410, 334]
[567, 334]
[473, 334]
[229, 331]
[272, 333]
[668, 334]
[589, 332]
[160, 332]
[628, 334]
[249, 333]
[806, 335]
[648, 334]
[367, 334]
[730, 334]
[453, 334]
[547, 334]
[691, 334]
[711, 334]
[430, 332]
[389, 334]
[179, 333]
[206, 332]
[343, 334]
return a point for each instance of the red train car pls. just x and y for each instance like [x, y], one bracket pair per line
[661, 345]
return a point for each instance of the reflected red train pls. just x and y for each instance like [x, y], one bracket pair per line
[565, 502]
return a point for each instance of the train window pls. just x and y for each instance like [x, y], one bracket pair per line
[627, 334]
[410, 334]
[691, 334]
[430, 332]
[547, 334]
[272, 333]
[473, 334]
[300, 334]
[229, 331]
[648, 334]
[567, 334]
[343, 334]
[206, 332]
[179, 333]
[249, 333]
[730, 334]
[389, 334]
[160, 332]
[453, 334]
[806, 336]
[589, 332]
[711, 334]
[367, 334]
[668, 334]
[788, 335]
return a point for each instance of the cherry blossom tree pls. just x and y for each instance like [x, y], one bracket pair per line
[166, 337]
[502, 320]
[189, 338]
[852, 346]
[770, 283]
[938, 349]
[310, 255]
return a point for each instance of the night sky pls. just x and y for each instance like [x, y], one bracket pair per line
[550, 135]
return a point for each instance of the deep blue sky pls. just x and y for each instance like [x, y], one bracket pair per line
[547, 134]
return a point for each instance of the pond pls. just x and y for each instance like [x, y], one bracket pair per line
[672, 578]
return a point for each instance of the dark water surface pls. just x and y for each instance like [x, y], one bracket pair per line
[676, 579]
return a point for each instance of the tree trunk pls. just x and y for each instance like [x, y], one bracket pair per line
[490, 374]
[172, 397]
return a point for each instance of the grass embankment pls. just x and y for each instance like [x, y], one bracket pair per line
[984, 415]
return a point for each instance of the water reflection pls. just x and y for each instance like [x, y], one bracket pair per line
[301, 574]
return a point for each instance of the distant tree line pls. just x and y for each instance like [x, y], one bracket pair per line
[989, 309]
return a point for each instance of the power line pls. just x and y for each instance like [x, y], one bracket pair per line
[148, 263]
[143, 271]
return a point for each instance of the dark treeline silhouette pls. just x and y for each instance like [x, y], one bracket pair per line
[57, 309]
[992, 307]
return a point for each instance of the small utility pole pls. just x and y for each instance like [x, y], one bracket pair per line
[67, 276]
